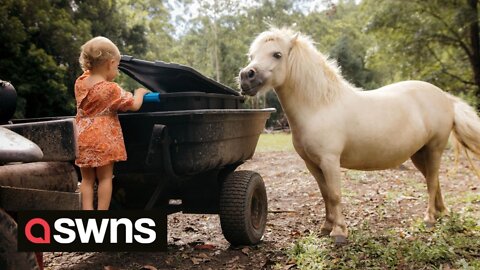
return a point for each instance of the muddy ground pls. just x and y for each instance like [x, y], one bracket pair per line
[384, 199]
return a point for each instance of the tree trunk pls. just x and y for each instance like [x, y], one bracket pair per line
[216, 51]
[474, 32]
[216, 7]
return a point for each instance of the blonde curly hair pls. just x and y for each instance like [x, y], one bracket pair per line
[96, 51]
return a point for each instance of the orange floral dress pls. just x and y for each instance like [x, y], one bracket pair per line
[99, 134]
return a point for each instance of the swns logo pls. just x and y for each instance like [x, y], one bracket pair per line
[92, 231]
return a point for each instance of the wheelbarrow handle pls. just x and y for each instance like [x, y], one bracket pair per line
[151, 98]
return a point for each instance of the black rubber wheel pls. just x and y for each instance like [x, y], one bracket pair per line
[243, 208]
[10, 259]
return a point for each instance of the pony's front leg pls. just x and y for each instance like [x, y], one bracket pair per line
[330, 166]
[314, 169]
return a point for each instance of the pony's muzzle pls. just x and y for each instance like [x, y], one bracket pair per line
[248, 74]
[248, 81]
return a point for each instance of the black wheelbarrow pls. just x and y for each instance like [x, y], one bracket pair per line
[184, 148]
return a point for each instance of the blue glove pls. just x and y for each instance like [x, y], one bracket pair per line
[151, 97]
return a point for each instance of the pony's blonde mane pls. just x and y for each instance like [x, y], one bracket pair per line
[311, 73]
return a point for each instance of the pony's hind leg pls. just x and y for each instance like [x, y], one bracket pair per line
[442, 210]
[427, 161]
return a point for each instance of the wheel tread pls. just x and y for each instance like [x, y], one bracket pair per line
[233, 203]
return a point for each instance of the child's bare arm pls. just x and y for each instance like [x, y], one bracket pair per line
[138, 98]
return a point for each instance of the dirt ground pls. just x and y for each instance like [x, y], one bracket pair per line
[385, 199]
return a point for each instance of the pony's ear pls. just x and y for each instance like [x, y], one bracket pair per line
[293, 41]
[294, 38]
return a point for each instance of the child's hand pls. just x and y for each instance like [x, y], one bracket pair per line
[141, 91]
[138, 98]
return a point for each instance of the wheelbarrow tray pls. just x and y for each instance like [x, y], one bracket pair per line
[198, 140]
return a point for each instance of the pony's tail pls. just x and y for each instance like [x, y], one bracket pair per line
[466, 129]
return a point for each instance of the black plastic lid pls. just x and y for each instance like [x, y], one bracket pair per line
[167, 77]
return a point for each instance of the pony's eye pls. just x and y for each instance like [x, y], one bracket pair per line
[277, 55]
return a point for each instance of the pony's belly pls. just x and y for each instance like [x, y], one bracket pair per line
[384, 146]
[373, 160]
[371, 166]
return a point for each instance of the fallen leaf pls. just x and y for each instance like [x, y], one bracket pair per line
[246, 251]
[203, 256]
[295, 233]
[292, 261]
[169, 261]
[196, 261]
[205, 247]
[236, 258]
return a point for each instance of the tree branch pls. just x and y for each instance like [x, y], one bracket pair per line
[444, 68]
[457, 37]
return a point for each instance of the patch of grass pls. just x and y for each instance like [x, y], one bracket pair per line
[275, 142]
[417, 184]
[392, 195]
[355, 175]
[470, 202]
[349, 193]
[453, 242]
[308, 253]
[469, 197]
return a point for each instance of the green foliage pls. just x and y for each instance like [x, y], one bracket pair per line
[453, 241]
[40, 46]
[374, 42]
[351, 61]
[339, 35]
[424, 40]
[30, 54]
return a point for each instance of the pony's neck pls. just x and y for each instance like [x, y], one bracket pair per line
[312, 82]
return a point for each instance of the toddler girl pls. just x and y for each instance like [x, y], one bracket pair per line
[100, 139]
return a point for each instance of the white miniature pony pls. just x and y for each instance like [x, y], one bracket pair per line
[335, 125]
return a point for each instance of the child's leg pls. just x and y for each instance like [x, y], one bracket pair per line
[104, 175]
[86, 187]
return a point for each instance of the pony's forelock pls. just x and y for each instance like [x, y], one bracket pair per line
[274, 34]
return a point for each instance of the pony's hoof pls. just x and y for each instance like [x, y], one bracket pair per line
[442, 213]
[429, 224]
[325, 232]
[340, 240]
